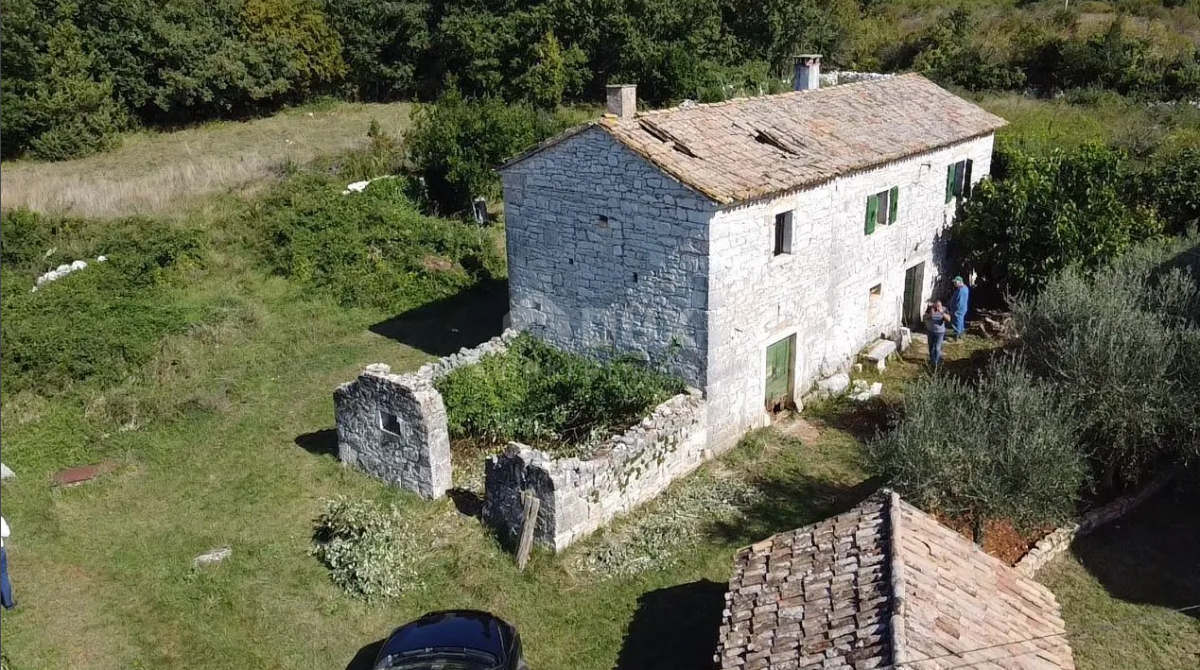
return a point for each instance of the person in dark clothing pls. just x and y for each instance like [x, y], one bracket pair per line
[958, 307]
[936, 319]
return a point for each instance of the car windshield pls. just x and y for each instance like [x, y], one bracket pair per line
[439, 659]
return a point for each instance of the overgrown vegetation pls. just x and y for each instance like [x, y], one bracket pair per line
[547, 398]
[78, 73]
[369, 549]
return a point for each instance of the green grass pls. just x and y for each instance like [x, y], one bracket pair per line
[1118, 587]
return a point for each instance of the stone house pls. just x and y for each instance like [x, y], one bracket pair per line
[756, 245]
[885, 586]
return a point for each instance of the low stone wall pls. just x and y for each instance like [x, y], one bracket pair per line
[1060, 539]
[394, 426]
[579, 496]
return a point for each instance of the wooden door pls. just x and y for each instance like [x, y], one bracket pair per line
[781, 358]
[914, 280]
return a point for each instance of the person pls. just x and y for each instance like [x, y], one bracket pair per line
[5, 585]
[935, 324]
[958, 306]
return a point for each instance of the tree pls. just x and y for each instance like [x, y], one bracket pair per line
[383, 44]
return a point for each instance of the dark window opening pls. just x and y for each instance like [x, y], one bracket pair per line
[389, 422]
[783, 233]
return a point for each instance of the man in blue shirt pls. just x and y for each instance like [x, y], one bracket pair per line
[958, 306]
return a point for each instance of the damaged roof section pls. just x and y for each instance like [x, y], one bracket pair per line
[750, 148]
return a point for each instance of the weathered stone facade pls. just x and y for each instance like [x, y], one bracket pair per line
[579, 496]
[606, 253]
[394, 426]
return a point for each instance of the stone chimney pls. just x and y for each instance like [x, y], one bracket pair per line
[622, 100]
[808, 72]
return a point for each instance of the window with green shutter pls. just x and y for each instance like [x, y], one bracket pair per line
[893, 204]
[872, 213]
[958, 179]
[949, 183]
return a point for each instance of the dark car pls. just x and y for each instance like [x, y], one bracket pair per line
[453, 640]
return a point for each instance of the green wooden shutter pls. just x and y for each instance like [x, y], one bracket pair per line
[966, 187]
[895, 201]
[949, 183]
[872, 213]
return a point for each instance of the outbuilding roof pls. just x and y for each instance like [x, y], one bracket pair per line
[753, 147]
[885, 586]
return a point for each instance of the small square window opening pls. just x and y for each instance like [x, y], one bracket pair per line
[389, 422]
[783, 233]
[874, 301]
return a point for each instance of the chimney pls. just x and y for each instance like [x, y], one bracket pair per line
[808, 72]
[622, 100]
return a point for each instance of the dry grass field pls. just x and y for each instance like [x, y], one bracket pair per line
[154, 172]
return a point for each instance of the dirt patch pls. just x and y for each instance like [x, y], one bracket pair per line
[800, 429]
[437, 263]
[1000, 538]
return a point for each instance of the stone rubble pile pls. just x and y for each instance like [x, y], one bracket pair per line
[62, 271]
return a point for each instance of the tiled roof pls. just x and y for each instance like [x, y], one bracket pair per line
[885, 586]
[753, 147]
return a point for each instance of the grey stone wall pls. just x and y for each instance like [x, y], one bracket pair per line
[607, 253]
[579, 496]
[394, 426]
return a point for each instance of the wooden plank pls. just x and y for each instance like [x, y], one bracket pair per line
[531, 505]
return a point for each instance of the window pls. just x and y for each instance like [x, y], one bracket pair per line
[958, 180]
[783, 233]
[873, 302]
[389, 422]
[882, 208]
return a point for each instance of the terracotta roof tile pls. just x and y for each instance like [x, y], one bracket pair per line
[884, 586]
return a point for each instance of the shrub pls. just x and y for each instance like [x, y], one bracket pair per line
[1113, 346]
[536, 394]
[369, 549]
[369, 249]
[456, 144]
[1052, 212]
[1004, 449]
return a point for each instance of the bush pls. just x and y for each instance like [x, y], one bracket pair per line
[456, 144]
[536, 394]
[1113, 345]
[369, 249]
[118, 310]
[1004, 449]
[1049, 213]
[369, 549]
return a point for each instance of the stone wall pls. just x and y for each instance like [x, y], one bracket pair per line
[579, 496]
[394, 426]
[607, 253]
[820, 292]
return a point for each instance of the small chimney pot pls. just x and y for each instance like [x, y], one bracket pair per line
[622, 100]
[807, 75]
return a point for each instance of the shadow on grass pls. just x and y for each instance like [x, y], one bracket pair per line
[365, 658]
[792, 500]
[444, 326]
[674, 628]
[1151, 556]
[319, 443]
[466, 501]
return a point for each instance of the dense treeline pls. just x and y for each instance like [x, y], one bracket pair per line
[78, 73]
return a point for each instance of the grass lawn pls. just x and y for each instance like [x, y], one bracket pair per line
[154, 172]
[1134, 572]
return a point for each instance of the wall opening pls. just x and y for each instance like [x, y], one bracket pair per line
[874, 301]
[783, 233]
[390, 423]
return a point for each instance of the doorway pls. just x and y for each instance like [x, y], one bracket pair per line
[781, 360]
[914, 281]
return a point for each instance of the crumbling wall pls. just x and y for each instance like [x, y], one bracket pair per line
[394, 426]
[579, 496]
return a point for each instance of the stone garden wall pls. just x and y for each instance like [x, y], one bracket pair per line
[579, 496]
[394, 426]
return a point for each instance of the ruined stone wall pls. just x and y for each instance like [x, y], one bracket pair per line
[394, 426]
[579, 496]
[607, 253]
[821, 291]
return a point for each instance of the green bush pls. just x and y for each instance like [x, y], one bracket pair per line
[369, 549]
[1118, 347]
[1050, 212]
[1003, 449]
[456, 144]
[536, 394]
[370, 249]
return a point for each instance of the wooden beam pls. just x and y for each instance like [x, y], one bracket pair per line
[531, 504]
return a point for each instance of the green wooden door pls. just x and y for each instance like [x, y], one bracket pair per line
[779, 373]
[914, 277]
